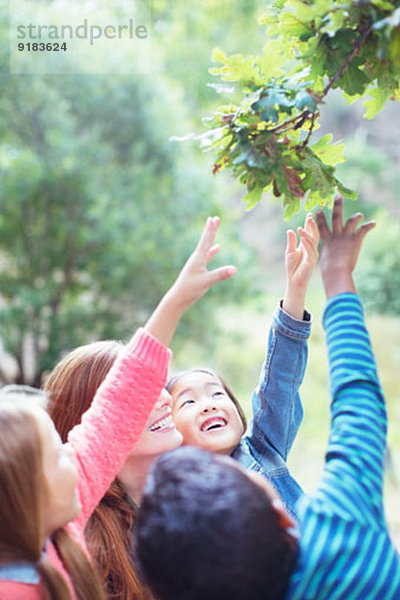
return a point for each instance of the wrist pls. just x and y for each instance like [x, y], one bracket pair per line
[173, 302]
[294, 301]
[338, 281]
[165, 318]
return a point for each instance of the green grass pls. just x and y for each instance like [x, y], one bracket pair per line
[238, 356]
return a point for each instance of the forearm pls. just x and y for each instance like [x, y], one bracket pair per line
[276, 401]
[294, 300]
[337, 281]
[358, 430]
[164, 320]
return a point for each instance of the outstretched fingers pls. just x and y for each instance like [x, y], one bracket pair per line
[207, 237]
[221, 274]
[291, 241]
[337, 215]
[206, 250]
[323, 227]
[352, 222]
[309, 243]
[311, 227]
[364, 229]
[212, 252]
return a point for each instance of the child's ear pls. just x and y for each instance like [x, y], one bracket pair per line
[284, 519]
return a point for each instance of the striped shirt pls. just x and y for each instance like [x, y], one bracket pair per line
[345, 549]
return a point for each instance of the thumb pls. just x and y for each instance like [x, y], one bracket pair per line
[220, 274]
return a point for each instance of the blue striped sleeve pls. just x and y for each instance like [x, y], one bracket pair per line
[345, 550]
[353, 476]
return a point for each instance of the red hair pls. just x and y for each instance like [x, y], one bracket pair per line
[72, 386]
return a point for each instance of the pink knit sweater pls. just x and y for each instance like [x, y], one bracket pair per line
[107, 433]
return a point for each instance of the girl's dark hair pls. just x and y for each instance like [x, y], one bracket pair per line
[72, 386]
[22, 502]
[178, 376]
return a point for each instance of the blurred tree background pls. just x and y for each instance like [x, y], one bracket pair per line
[99, 209]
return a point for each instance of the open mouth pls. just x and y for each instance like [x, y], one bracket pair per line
[213, 424]
[163, 424]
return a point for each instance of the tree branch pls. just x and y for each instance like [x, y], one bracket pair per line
[314, 115]
[365, 30]
[306, 114]
[302, 116]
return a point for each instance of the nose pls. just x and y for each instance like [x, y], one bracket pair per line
[208, 406]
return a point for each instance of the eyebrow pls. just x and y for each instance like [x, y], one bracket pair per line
[190, 389]
[214, 384]
[182, 392]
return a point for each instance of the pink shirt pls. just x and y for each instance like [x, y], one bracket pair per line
[108, 431]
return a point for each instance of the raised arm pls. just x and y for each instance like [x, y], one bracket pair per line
[300, 260]
[192, 283]
[124, 401]
[357, 443]
[277, 409]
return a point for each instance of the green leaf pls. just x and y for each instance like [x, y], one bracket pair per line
[304, 100]
[219, 55]
[309, 44]
[382, 4]
[323, 142]
[274, 56]
[354, 81]
[346, 192]
[334, 21]
[294, 26]
[239, 68]
[291, 208]
[330, 155]
[253, 197]
[377, 100]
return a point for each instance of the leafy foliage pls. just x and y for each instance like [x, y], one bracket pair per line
[265, 137]
[97, 213]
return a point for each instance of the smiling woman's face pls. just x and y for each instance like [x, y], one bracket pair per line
[160, 433]
[204, 414]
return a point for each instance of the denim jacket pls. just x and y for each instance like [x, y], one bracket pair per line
[277, 409]
[22, 572]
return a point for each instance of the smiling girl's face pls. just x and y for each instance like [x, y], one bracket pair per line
[204, 413]
[160, 433]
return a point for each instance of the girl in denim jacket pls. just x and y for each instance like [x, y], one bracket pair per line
[208, 415]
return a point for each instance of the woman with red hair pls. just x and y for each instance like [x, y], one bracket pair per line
[49, 490]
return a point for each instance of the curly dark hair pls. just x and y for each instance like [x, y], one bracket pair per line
[206, 531]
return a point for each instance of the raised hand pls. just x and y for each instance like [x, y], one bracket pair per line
[195, 280]
[192, 283]
[340, 248]
[300, 260]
